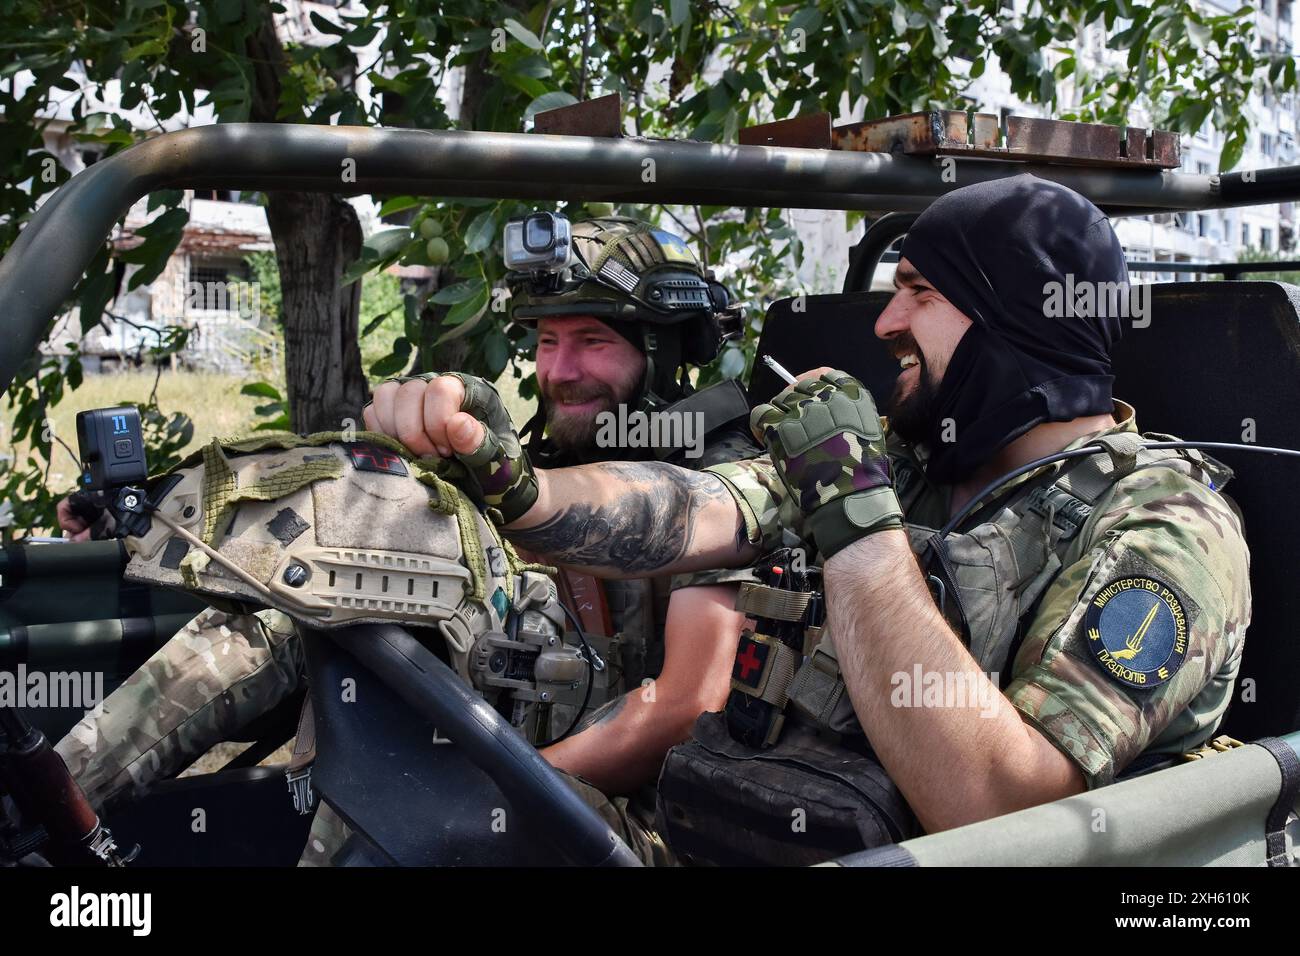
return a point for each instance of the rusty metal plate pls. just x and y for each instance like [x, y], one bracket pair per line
[1090, 144]
[988, 131]
[806, 132]
[602, 116]
[1049, 139]
[948, 132]
[905, 133]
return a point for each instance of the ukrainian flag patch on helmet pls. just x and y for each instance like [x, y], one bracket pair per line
[674, 249]
[1136, 628]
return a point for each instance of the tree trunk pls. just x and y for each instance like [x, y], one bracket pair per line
[316, 237]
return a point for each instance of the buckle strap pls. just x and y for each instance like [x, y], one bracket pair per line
[298, 773]
[759, 600]
[1123, 448]
[817, 687]
[1275, 824]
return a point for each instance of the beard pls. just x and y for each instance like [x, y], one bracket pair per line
[913, 414]
[575, 432]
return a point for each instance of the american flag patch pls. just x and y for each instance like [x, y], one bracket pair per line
[619, 274]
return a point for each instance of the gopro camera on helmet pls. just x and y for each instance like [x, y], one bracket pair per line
[539, 242]
[111, 447]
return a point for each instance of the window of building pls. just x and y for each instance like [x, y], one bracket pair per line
[1266, 144]
[211, 282]
[1245, 233]
[226, 195]
[1265, 238]
[1202, 225]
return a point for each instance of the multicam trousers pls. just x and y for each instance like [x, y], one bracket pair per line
[213, 677]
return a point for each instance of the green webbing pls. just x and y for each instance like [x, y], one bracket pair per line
[221, 490]
[472, 547]
[518, 565]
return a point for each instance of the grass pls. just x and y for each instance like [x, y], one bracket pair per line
[212, 400]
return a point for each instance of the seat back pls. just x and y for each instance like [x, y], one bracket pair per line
[1218, 361]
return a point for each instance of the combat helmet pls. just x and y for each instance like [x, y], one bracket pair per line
[628, 273]
[336, 529]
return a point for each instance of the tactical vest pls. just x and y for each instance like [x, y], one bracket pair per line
[725, 803]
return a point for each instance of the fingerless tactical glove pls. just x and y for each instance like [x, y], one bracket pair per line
[499, 471]
[825, 438]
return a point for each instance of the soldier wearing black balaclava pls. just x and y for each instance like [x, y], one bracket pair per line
[991, 250]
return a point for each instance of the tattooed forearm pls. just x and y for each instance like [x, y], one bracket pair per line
[604, 713]
[639, 517]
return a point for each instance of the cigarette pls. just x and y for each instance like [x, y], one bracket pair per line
[780, 369]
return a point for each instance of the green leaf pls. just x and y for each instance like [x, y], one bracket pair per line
[1198, 33]
[375, 323]
[548, 101]
[398, 203]
[457, 293]
[679, 10]
[279, 424]
[1234, 144]
[534, 66]
[394, 363]
[481, 232]
[521, 33]
[464, 316]
[809, 19]
[325, 26]
[496, 353]
[733, 362]
[526, 84]
[96, 293]
[898, 17]
[361, 36]
[386, 242]
[262, 390]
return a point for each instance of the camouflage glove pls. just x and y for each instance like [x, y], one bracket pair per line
[825, 438]
[500, 473]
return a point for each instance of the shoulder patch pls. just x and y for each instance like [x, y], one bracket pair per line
[1136, 628]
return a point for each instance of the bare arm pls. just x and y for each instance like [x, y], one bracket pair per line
[615, 519]
[630, 519]
[954, 764]
[622, 745]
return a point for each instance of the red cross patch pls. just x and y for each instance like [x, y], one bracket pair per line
[368, 457]
[751, 657]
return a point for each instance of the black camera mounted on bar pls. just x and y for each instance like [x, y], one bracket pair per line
[113, 466]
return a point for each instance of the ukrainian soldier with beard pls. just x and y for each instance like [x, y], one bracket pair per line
[603, 355]
[223, 670]
[1095, 607]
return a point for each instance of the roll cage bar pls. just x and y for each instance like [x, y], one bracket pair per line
[44, 265]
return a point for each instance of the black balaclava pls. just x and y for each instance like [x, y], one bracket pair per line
[990, 249]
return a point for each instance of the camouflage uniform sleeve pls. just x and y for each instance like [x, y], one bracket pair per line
[215, 675]
[1136, 644]
[762, 499]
